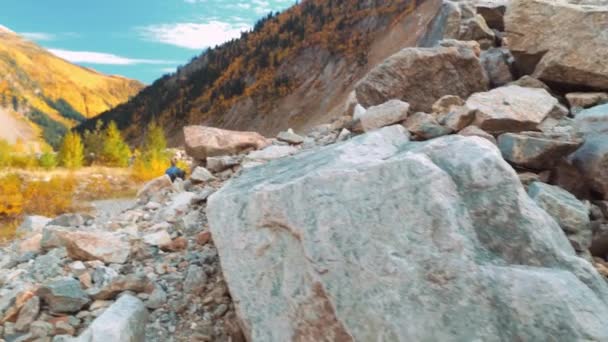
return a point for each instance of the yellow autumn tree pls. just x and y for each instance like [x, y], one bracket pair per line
[154, 159]
[71, 154]
[115, 151]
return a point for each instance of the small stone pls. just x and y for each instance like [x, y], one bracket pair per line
[77, 267]
[158, 238]
[386, 114]
[63, 295]
[157, 299]
[100, 304]
[195, 281]
[201, 175]
[178, 244]
[203, 238]
[28, 313]
[131, 282]
[219, 164]
[424, 126]
[67, 220]
[290, 137]
[152, 206]
[586, 100]
[63, 328]
[458, 118]
[41, 329]
[474, 131]
[445, 104]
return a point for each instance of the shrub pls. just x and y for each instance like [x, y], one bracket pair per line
[48, 160]
[49, 198]
[11, 197]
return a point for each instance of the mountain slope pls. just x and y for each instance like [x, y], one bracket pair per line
[295, 69]
[48, 94]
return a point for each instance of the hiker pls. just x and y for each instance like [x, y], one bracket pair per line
[175, 172]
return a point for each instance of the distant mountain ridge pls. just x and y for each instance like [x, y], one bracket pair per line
[295, 69]
[42, 95]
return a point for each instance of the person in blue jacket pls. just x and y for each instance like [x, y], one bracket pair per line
[175, 172]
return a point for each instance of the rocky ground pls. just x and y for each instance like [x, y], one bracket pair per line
[473, 206]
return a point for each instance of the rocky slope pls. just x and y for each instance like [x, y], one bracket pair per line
[483, 218]
[42, 94]
[294, 70]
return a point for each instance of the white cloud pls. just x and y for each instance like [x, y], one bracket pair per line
[103, 58]
[38, 36]
[192, 35]
[6, 29]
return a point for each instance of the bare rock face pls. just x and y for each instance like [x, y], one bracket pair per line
[202, 142]
[560, 41]
[420, 76]
[511, 108]
[331, 244]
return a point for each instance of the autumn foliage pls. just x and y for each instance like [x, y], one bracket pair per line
[256, 66]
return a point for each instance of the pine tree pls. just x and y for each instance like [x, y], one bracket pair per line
[71, 154]
[115, 151]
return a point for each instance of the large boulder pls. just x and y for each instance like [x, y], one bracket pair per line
[560, 41]
[511, 108]
[536, 150]
[571, 214]
[123, 321]
[420, 76]
[332, 244]
[202, 142]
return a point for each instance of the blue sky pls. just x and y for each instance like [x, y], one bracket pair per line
[141, 39]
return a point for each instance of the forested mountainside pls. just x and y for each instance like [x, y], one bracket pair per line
[293, 69]
[42, 95]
